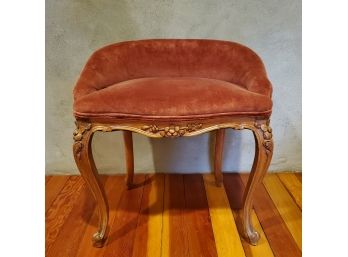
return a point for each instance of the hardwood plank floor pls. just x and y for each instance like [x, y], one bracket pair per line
[122, 232]
[277, 233]
[299, 176]
[174, 233]
[114, 187]
[226, 235]
[197, 218]
[293, 185]
[288, 209]
[174, 215]
[60, 209]
[147, 241]
[70, 234]
[47, 178]
[234, 188]
[55, 187]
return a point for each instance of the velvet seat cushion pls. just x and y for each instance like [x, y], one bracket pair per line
[172, 97]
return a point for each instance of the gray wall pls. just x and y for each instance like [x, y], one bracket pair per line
[74, 29]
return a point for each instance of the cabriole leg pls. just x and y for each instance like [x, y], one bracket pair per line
[128, 143]
[263, 155]
[218, 154]
[83, 135]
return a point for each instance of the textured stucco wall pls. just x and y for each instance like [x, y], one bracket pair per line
[74, 29]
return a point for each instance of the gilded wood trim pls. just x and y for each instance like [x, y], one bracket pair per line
[80, 129]
[267, 135]
[171, 130]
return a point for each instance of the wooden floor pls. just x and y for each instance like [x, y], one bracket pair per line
[174, 215]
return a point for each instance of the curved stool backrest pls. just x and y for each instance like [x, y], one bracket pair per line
[212, 59]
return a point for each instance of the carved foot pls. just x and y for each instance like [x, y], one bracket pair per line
[130, 183]
[98, 240]
[253, 237]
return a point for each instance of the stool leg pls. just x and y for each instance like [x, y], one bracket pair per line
[263, 156]
[128, 143]
[84, 160]
[219, 145]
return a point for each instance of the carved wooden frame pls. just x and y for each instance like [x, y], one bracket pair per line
[85, 128]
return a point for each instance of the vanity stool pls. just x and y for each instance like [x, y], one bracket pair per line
[173, 88]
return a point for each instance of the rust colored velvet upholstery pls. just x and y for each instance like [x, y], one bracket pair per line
[173, 79]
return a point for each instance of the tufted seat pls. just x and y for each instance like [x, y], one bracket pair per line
[166, 79]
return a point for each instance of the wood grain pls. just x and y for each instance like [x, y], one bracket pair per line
[234, 190]
[47, 178]
[148, 233]
[226, 235]
[299, 176]
[67, 242]
[59, 210]
[122, 232]
[290, 212]
[293, 185]
[114, 187]
[53, 187]
[169, 215]
[128, 147]
[174, 232]
[197, 219]
[272, 224]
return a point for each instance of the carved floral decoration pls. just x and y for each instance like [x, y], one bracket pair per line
[267, 135]
[172, 130]
[81, 128]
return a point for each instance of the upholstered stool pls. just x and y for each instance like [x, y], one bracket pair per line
[173, 88]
